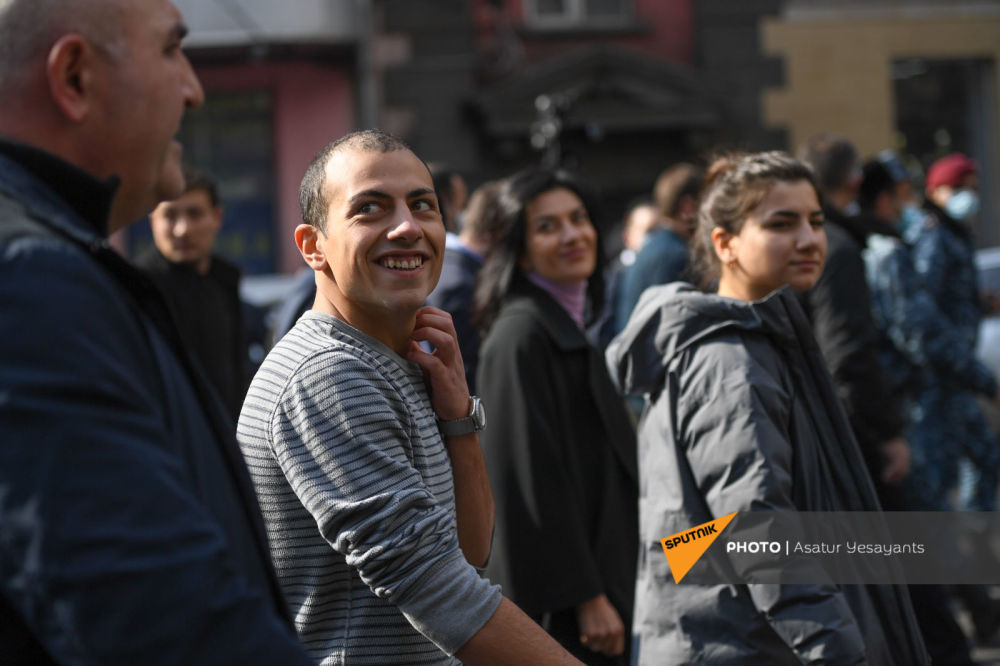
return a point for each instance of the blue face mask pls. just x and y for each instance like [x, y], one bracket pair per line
[962, 205]
[911, 218]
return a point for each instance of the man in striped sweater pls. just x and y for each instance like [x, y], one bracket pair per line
[363, 447]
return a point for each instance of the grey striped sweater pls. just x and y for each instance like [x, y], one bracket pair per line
[357, 494]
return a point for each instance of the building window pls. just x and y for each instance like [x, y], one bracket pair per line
[570, 13]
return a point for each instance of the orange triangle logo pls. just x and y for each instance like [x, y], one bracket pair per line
[685, 548]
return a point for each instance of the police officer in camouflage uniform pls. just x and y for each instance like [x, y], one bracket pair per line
[920, 351]
[947, 423]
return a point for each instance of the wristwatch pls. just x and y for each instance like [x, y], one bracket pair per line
[474, 422]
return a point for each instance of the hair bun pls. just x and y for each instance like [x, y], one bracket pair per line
[719, 166]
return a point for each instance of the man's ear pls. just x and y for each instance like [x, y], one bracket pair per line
[217, 213]
[307, 238]
[71, 74]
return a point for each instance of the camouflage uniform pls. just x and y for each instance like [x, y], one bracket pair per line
[929, 313]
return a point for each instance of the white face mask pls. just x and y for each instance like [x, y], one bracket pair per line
[962, 205]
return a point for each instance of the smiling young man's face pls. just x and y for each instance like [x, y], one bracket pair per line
[384, 237]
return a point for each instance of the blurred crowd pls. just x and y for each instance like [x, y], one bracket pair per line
[463, 432]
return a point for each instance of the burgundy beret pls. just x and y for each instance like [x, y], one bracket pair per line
[950, 170]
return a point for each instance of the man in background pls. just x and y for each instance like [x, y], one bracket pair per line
[452, 192]
[663, 256]
[463, 257]
[640, 218]
[840, 308]
[202, 288]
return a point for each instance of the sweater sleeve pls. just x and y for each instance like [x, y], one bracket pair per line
[341, 439]
[538, 499]
[731, 419]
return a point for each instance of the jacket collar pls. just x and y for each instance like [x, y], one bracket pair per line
[41, 179]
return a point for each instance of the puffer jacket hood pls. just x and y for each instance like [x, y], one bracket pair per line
[670, 318]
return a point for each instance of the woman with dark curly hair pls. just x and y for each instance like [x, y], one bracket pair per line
[742, 416]
[559, 447]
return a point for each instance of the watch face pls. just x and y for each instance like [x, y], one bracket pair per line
[479, 415]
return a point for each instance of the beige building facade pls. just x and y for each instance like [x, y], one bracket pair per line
[845, 65]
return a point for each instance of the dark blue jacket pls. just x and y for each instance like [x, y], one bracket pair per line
[663, 258]
[129, 531]
[944, 258]
[453, 294]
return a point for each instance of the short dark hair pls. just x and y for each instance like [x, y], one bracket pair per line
[196, 179]
[312, 197]
[875, 179]
[481, 214]
[502, 263]
[675, 183]
[833, 159]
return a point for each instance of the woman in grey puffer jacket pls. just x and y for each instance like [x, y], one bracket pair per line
[742, 416]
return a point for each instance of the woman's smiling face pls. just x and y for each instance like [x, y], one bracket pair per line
[560, 240]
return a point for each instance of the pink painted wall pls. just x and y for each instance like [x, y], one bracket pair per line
[312, 105]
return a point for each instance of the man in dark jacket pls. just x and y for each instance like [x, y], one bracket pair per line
[463, 257]
[130, 531]
[202, 288]
[839, 307]
[663, 257]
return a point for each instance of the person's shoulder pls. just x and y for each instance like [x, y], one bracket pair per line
[839, 241]
[658, 244]
[150, 260]
[519, 326]
[64, 312]
[320, 346]
[457, 282]
[225, 272]
[57, 270]
[733, 357]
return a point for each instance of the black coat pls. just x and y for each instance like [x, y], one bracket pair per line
[209, 316]
[839, 306]
[561, 456]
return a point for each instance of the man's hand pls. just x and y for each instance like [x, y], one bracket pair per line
[896, 453]
[601, 628]
[443, 369]
[444, 374]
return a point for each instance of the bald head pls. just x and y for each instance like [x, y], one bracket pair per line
[103, 85]
[29, 29]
